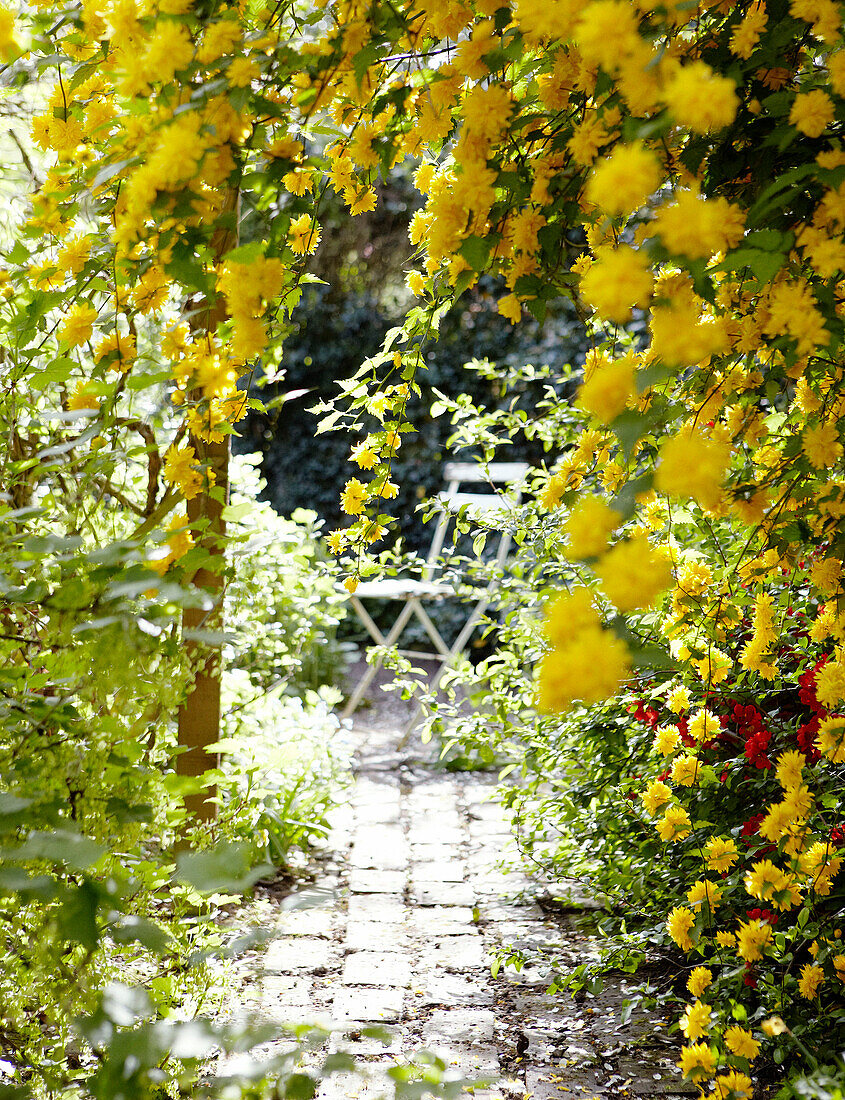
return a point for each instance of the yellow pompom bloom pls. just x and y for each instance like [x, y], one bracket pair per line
[678, 700]
[589, 668]
[679, 925]
[811, 978]
[704, 891]
[607, 391]
[751, 938]
[655, 795]
[666, 739]
[790, 766]
[589, 524]
[692, 466]
[78, 325]
[830, 689]
[675, 824]
[620, 279]
[181, 470]
[621, 183]
[821, 446]
[685, 771]
[741, 1043]
[699, 980]
[353, 497]
[700, 99]
[695, 1022]
[720, 854]
[831, 739]
[304, 235]
[697, 1062]
[812, 112]
[83, 398]
[633, 574]
[733, 1085]
[704, 725]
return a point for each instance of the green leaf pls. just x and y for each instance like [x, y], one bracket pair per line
[224, 869]
[133, 929]
[476, 251]
[57, 846]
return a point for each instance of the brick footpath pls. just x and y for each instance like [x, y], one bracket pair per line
[411, 901]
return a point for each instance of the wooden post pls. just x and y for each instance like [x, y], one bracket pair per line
[199, 715]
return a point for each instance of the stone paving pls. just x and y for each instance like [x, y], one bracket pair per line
[411, 901]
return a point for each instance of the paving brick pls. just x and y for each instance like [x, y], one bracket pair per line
[441, 920]
[454, 953]
[450, 989]
[391, 855]
[377, 881]
[443, 893]
[444, 870]
[287, 955]
[378, 907]
[368, 935]
[389, 968]
[309, 922]
[367, 1005]
[469, 1025]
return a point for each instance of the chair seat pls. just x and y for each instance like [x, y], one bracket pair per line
[401, 588]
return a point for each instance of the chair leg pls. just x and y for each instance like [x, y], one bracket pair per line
[450, 656]
[372, 670]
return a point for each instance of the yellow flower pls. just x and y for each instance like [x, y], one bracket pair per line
[702, 891]
[78, 325]
[692, 466]
[622, 182]
[704, 725]
[679, 925]
[365, 455]
[695, 1022]
[666, 739]
[607, 391]
[685, 771]
[180, 470]
[675, 824]
[633, 575]
[700, 99]
[811, 978]
[619, 279]
[741, 1043]
[699, 980]
[590, 666]
[678, 700]
[697, 1062]
[655, 795]
[790, 766]
[733, 1085]
[751, 938]
[831, 739]
[720, 854]
[766, 881]
[812, 112]
[336, 541]
[353, 497]
[304, 235]
[242, 71]
[589, 524]
[773, 1026]
[821, 446]
[83, 398]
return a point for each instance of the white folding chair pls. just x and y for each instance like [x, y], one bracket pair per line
[412, 592]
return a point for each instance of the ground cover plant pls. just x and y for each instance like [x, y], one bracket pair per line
[677, 171]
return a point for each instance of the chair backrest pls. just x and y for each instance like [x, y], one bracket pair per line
[453, 500]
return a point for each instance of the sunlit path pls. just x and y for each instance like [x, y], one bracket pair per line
[410, 906]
